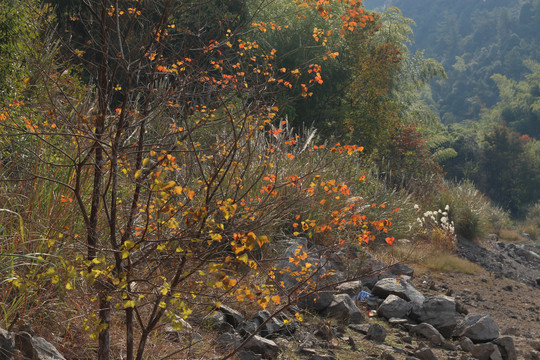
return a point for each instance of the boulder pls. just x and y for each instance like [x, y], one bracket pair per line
[265, 347]
[218, 321]
[376, 332]
[361, 328]
[232, 316]
[36, 348]
[273, 326]
[401, 287]
[506, 347]
[317, 300]
[429, 332]
[425, 354]
[466, 344]
[394, 307]
[229, 341]
[248, 355]
[372, 271]
[487, 351]
[400, 269]
[439, 311]
[7, 345]
[343, 307]
[351, 288]
[478, 327]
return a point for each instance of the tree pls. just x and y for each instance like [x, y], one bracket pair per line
[164, 145]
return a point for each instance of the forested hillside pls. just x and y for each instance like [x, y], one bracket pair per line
[490, 101]
[473, 40]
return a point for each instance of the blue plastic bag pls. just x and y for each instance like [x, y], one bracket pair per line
[363, 295]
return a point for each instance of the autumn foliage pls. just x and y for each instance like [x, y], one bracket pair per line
[168, 152]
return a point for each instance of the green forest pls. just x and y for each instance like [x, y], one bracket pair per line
[157, 155]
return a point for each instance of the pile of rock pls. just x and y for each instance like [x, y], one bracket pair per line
[435, 321]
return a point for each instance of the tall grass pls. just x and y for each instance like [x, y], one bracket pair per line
[474, 215]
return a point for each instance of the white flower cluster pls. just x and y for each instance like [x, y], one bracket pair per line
[437, 218]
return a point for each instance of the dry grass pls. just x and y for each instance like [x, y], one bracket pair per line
[424, 257]
[511, 236]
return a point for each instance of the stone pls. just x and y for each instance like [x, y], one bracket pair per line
[506, 347]
[466, 344]
[387, 356]
[372, 271]
[401, 287]
[176, 335]
[229, 341]
[394, 307]
[401, 269]
[322, 357]
[317, 300]
[478, 327]
[232, 316]
[36, 348]
[248, 355]
[218, 321]
[429, 332]
[343, 308]
[425, 354]
[351, 288]
[265, 347]
[7, 345]
[247, 328]
[272, 326]
[361, 328]
[439, 311]
[376, 332]
[486, 351]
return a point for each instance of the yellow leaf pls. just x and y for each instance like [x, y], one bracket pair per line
[138, 173]
[129, 304]
[276, 299]
[243, 258]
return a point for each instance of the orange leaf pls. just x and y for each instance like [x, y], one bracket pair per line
[389, 240]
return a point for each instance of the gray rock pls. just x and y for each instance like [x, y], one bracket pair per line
[229, 341]
[439, 311]
[376, 332]
[273, 325]
[343, 307]
[466, 344]
[317, 300]
[248, 355]
[322, 357]
[394, 307]
[401, 287]
[36, 348]
[387, 356]
[265, 347]
[400, 269]
[7, 345]
[351, 288]
[487, 351]
[425, 354]
[232, 316]
[218, 321]
[506, 347]
[478, 328]
[247, 328]
[429, 332]
[361, 328]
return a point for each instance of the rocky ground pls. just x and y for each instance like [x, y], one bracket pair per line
[493, 315]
